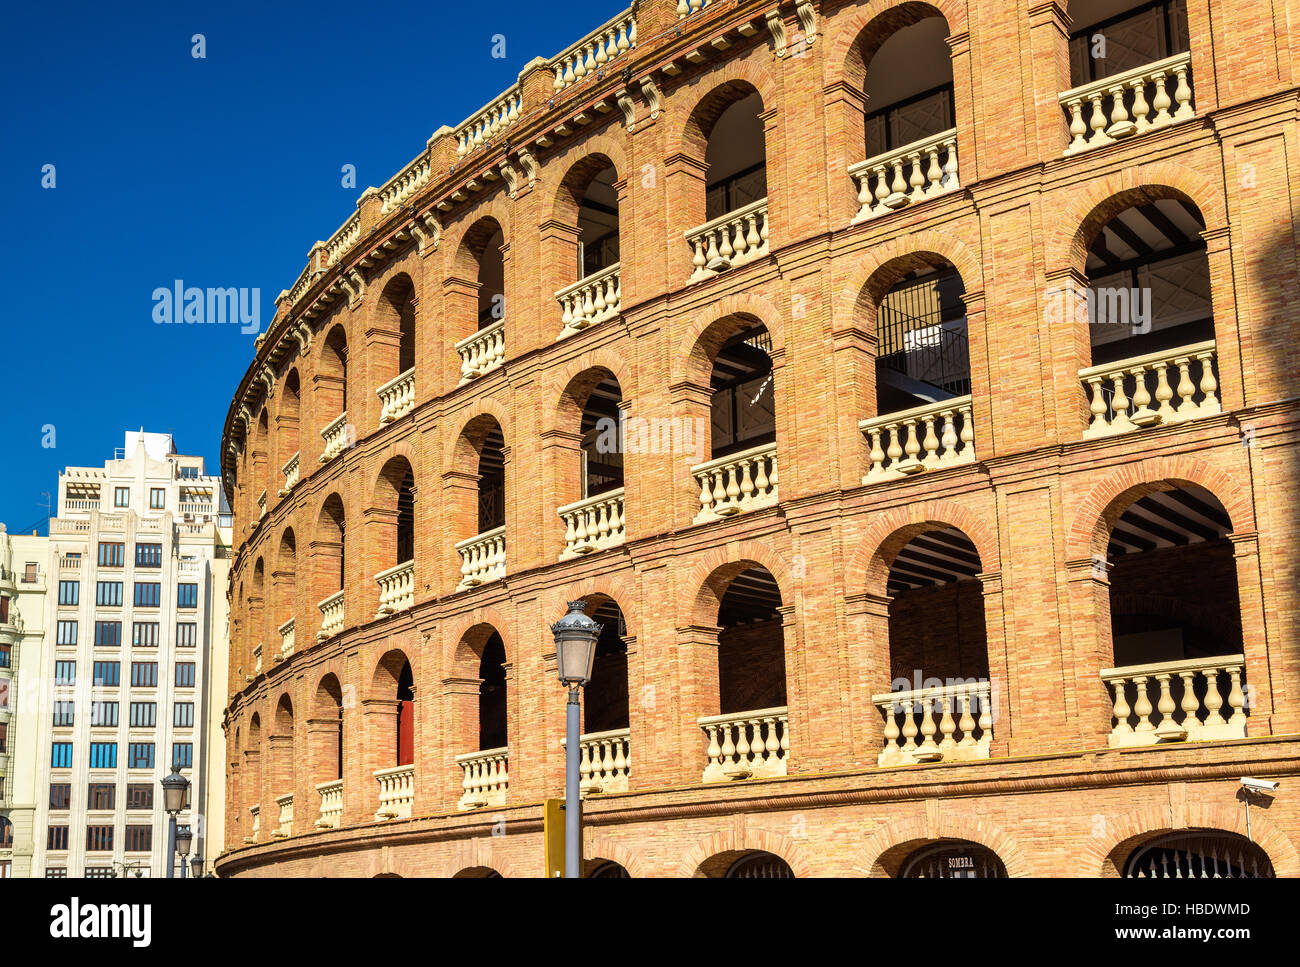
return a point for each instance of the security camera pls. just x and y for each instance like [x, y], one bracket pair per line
[1259, 785]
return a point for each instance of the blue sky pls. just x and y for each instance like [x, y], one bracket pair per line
[220, 171]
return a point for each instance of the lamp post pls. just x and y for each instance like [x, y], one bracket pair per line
[174, 787]
[184, 839]
[575, 653]
[196, 865]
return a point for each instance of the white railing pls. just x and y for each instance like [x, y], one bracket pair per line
[257, 659]
[58, 526]
[482, 352]
[285, 828]
[286, 639]
[1190, 698]
[482, 127]
[595, 50]
[1132, 393]
[290, 471]
[396, 792]
[342, 240]
[195, 508]
[80, 503]
[331, 616]
[335, 436]
[485, 778]
[593, 524]
[946, 711]
[302, 283]
[1118, 106]
[404, 184]
[923, 438]
[606, 760]
[590, 300]
[396, 588]
[734, 239]
[261, 505]
[736, 483]
[906, 175]
[255, 829]
[687, 7]
[331, 804]
[482, 558]
[185, 567]
[746, 745]
[69, 563]
[112, 522]
[397, 397]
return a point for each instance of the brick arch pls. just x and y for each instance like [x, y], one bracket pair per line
[604, 585]
[693, 358]
[482, 406]
[603, 847]
[909, 834]
[399, 449]
[842, 61]
[728, 841]
[699, 596]
[382, 862]
[386, 669]
[684, 133]
[563, 165]
[1106, 502]
[868, 567]
[479, 616]
[591, 359]
[884, 265]
[454, 866]
[497, 208]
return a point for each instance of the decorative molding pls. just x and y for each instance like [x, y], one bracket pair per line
[807, 20]
[652, 98]
[776, 26]
[627, 107]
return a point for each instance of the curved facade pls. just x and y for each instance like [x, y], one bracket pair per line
[914, 409]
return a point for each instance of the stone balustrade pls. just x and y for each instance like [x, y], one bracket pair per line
[286, 639]
[187, 568]
[733, 240]
[737, 483]
[906, 175]
[1129, 394]
[331, 616]
[494, 119]
[923, 438]
[255, 824]
[188, 507]
[397, 397]
[285, 827]
[1189, 699]
[63, 526]
[261, 505]
[67, 563]
[335, 436]
[947, 711]
[746, 745]
[257, 659]
[594, 51]
[396, 588]
[593, 524]
[1118, 106]
[482, 558]
[290, 471]
[405, 184]
[605, 761]
[80, 503]
[348, 234]
[331, 804]
[590, 300]
[687, 7]
[482, 352]
[396, 792]
[485, 778]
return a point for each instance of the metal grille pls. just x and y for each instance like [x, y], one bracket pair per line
[1134, 38]
[1199, 856]
[910, 120]
[760, 866]
[954, 861]
[921, 332]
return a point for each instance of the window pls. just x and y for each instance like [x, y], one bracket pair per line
[4, 654]
[189, 473]
[30, 571]
[183, 715]
[57, 838]
[107, 673]
[185, 674]
[111, 553]
[183, 754]
[139, 839]
[63, 714]
[60, 795]
[61, 755]
[157, 498]
[148, 555]
[56, 872]
[145, 633]
[103, 755]
[65, 673]
[69, 593]
[187, 634]
[6, 833]
[4, 609]
[148, 594]
[108, 594]
[67, 633]
[187, 595]
[99, 839]
[139, 755]
[108, 634]
[139, 795]
[99, 873]
[144, 674]
[101, 795]
[4, 738]
[144, 715]
[121, 496]
[104, 714]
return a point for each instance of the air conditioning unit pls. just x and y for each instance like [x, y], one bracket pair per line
[189, 518]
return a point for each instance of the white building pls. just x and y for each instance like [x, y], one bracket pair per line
[137, 561]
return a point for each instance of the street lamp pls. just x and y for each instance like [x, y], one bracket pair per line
[575, 653]
[196, 865]
[184, 838]
[174, 787]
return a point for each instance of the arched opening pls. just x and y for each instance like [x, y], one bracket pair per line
[261, 458]
[759, 865]
[395, 503]
[481, 505]
[332, 377]
[590, 475]
[257, 614]
[492, 694]
[602, 869]
[330, 547]
[282, 763]
[477, 873]
[397, 311]
[953, 859]
[405, 717]
[253, 770]
[743, 405]
[476, 301]
[286, 582]
[587, 217]
[491, 281]
[480, 711]
[327, 733]
[606, 754]
[390, 729]
[922, 354]
[1111, 37]
[492, 480]
[391, 347]
[290, 414]
[1199, 854]
[736, 153]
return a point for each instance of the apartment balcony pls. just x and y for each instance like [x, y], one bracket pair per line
[737, 483]
[396, 588]
[396, 792]
[284, 829]
[67, 563]
[59, 526]
[335, 436]
[190, 507]
[482, 558]
[396, 397]
[81, 503]
[331, 616]
[486, 777]
[606, 761]
[257, 660]
[290, 471]
[927, 437]
[261, 505]
[1130, 394]
[1187, 698]
[482, 352]
[946, 711]
[331, 804]
[1117, 107]
[907, 175]
[746, 745]
[590, 300]
[255, 824]
[594, 524]
[733, 240]
[286, 640]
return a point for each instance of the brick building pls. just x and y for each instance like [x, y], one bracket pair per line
[906, 387]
